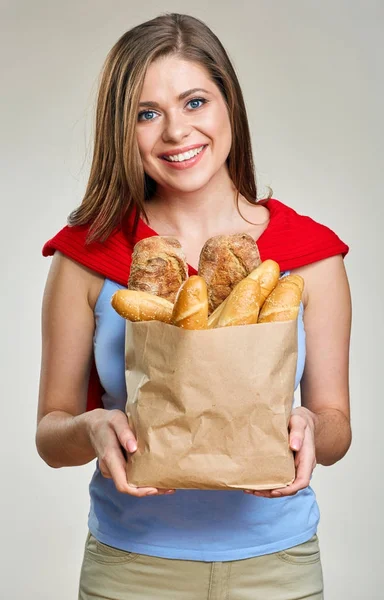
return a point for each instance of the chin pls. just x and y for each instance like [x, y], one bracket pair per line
[189, 187]
[190, 184]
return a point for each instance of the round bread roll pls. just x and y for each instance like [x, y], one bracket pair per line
[224, 261]
[158, 267]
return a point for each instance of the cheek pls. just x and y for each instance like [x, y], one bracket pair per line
[219, 130]
[226, 129]
[145, 142]
[141, 143]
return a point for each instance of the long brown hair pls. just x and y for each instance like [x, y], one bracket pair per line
[117, 182]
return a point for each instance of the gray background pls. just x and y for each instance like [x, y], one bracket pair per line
[311, 73]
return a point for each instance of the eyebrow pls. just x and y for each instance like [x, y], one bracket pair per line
[180, 97]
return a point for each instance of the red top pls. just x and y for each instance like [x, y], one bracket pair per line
[292, 240]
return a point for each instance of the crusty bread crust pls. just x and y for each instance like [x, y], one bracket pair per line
[224, 261]
[141, 306]
[190, 310]
[242, 306]
[158, 267]
[283, 302]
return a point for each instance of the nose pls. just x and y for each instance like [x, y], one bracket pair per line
[176, 127]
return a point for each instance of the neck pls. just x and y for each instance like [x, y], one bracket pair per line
[204, 211]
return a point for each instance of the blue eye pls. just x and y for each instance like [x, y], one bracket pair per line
[196, 102]
[145, 115]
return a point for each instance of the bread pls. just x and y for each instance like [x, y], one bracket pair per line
[190, 310]
[141, 306]
[242, 305]
[214, 317]
[224, 261]
[158, 267]
[267, 274]
[283, 302]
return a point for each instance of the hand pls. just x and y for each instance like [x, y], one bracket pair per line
[302, 441]
[110, 435]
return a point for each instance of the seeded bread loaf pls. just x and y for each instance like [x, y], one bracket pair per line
[283, 303]
[224, 261]
[242, 306]
[158, 267]
[267, 274]
[141, 306]
[190, 310]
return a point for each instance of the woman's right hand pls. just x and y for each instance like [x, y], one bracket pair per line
[111, 436]
[68, 435]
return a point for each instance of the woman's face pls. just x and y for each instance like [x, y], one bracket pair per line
[183, 128]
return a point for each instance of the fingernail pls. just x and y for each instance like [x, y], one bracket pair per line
[277, 494]
[152, 493]
[295, 444]
[169, 492]
[132, 446]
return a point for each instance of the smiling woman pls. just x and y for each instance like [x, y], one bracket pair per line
[172, 156]
[184, 131]
[167, 87]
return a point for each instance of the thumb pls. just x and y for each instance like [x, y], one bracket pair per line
[125, 434]
[296, 432]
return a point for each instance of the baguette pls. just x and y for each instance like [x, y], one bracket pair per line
[141, 306]
[190, 310]
[224, 261]
[158, 267]
[283, 302]
[214, 317]
[267, 274]
[242, 305]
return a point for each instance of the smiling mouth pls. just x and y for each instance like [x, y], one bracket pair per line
[185, 155]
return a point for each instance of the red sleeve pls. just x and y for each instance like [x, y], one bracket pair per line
[71, 241]
[112, 258]
[295, 240]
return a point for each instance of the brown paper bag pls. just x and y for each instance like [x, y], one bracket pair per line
[210, 408]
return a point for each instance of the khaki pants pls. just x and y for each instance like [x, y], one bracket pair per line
[111, 574]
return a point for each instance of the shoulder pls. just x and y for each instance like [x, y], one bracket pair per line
[111, 258]
[323, 277]
[290, 217]
[298, 240]
[71, 279]
[307, 247]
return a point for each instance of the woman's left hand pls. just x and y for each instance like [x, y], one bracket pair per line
[302, 441]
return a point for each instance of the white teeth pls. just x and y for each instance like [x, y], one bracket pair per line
[185, 155]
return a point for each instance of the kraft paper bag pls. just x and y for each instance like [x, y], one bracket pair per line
[210, 409]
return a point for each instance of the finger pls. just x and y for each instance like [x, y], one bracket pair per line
[164, 492]
[104, 470]
[123, 432]
[305, 465]
[259, 493]
[297, 426]
[149, 491]
[115, 463]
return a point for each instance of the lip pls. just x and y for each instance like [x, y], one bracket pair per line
[180, 150]
[185, 164]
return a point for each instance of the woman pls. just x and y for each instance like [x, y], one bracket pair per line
[173, 156]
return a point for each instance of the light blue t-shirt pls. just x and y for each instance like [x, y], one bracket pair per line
[189, 524]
